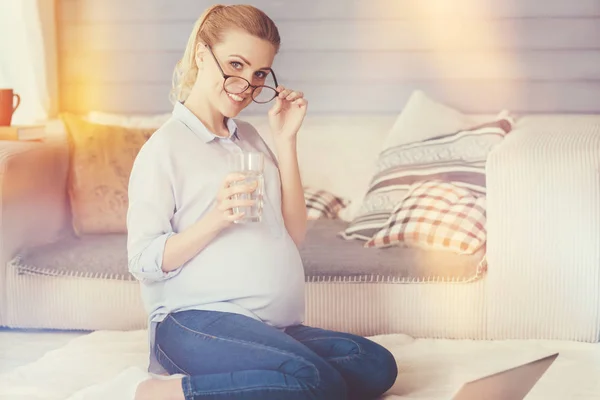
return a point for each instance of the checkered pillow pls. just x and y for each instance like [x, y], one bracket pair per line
[436, 214]
[322, 204]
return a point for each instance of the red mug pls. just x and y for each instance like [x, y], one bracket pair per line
[9, 102]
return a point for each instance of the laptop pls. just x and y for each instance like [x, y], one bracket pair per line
[512, 384]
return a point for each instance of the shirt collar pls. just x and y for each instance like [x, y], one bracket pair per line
[183, 114]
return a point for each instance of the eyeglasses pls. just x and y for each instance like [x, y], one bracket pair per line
[237, 85]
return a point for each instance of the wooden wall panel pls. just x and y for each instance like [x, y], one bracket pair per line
[350, 56]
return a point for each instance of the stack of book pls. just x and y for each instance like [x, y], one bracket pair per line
[20, 132]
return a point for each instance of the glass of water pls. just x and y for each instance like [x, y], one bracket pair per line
[251, 165]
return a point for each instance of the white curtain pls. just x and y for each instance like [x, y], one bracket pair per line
[28, 57]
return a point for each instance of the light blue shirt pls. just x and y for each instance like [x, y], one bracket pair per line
[253, 269]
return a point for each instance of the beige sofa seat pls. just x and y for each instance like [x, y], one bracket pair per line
[348, 288]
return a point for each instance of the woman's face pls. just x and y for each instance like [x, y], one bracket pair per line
[239, 54]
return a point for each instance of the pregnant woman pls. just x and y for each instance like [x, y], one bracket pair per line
[225, 299]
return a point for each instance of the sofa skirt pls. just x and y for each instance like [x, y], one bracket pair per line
[439, 310]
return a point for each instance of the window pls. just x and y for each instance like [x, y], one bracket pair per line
[28, 57]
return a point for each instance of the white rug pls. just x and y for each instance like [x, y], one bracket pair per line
[108, 365]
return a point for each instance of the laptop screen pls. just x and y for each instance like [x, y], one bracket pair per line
[512, 384]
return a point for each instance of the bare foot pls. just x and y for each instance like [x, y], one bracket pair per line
[155, 389]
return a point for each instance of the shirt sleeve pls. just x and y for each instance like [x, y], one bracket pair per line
[151, 208]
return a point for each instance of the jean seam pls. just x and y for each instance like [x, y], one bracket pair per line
[283, 388]
[186, 384]
[344, 358]
[220, 315]
[161, 351]
[360, 349]
[267, 348]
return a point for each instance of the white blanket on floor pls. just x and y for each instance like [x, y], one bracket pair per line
[108, 365]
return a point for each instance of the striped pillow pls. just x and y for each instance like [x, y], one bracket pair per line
[458, 158]
[322, 204]
[436, 215]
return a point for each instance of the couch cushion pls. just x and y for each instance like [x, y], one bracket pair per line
[326, 257]
[436, 215]
[322, 204]
[101, 256]
[101, 160]
[423, 118]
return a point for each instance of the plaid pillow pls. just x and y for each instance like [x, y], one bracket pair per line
[322, 204]
[436, 214]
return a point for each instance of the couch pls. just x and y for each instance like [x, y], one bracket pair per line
[543, 239]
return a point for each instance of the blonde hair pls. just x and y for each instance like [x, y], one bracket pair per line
[209, 29]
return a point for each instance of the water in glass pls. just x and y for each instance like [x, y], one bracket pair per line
[249, 164]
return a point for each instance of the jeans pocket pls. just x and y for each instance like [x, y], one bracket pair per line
[166, 362]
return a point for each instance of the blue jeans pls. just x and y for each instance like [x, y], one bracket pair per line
[231, 356]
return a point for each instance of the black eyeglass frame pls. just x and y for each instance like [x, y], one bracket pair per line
[254, 87]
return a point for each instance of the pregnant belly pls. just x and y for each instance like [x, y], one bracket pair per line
[265, 277]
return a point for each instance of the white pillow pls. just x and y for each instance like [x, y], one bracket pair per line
[129, 121]
[423, 118]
